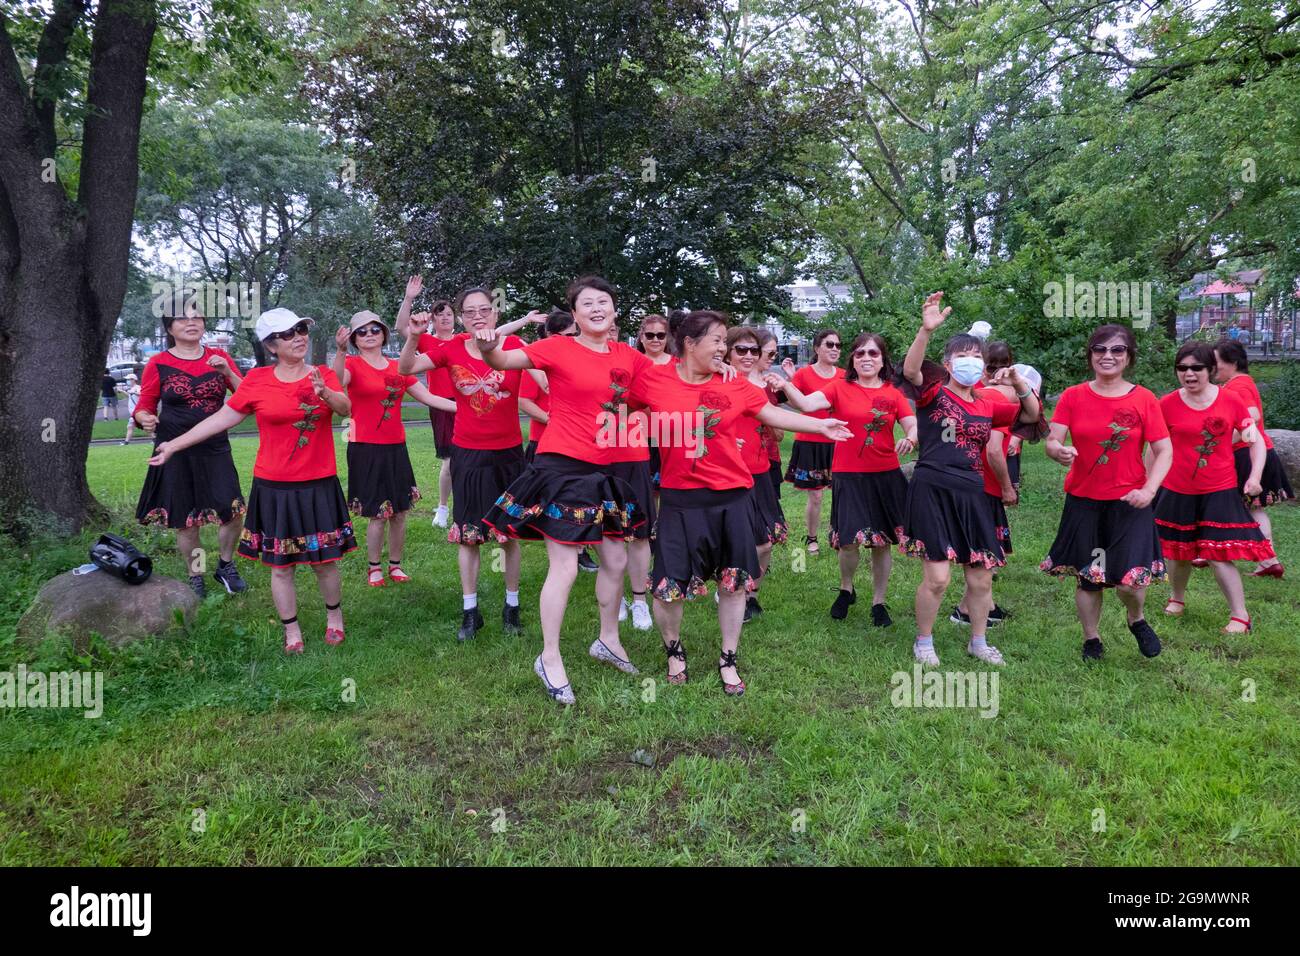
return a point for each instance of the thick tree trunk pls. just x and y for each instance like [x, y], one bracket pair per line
[63, 267]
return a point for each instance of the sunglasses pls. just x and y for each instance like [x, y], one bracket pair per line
[831, 345]
[476, 313]
[573, 334]
[370, 330]
[867, 353]
[745, 349]
[302, 328]
[654, 336]
[1191, 368]
[1112, 349]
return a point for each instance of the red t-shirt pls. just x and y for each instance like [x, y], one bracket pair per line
[529, 389]
[698, 426]
[1243, 386]
[871, 414]
[807, 380]
[753, 449]
[1114, 428]
[438, 379]
[295, 428]
[487, 401]
[1203, 460]
[586, 387]
[991, 485]
[189, 390]
[769, 437]
[377, 401]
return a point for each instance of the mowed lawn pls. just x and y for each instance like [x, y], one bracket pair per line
[215, 748]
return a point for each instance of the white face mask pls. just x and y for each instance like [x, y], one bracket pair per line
[967, 369]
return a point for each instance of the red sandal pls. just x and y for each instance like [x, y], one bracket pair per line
[1239, 620]
[396, 573]
[370, 578]
[1271, 571]
[1181, 604]
[333, 635]
[296, 645]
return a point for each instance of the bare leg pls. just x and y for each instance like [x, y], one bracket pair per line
[638, 566]
[934, 582]
[512, 555]
[396, 537]
[469, 565]
[764, 559]
[668, 618]
[813, 512]
[331, 589]
[1179, 573]
[190, 551]
[228, 536]
[882, 561]
[1134, 601]
[375, 541]
[285, 599]
[1225, 572]
[609, 591]
[731, 617]
[552, 602]
[444, 483]
[1266, 527]
[849, 558]
[1088, 604]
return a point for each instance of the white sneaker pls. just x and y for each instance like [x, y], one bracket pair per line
[925, 655]
[440, 517]
[988, 653]
[622, 611]
[641, 619]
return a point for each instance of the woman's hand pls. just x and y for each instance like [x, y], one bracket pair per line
[787, 365]
[834, 429]
[1009, 376]
[146, 420]
[486, 339]
[1138, 497]
[418, 324]
[931, 315]
[161, 454]
[318, 382]
[904, 447]
[414, 286]
[1252, 487]
[728, 372]
[536, 317]
[1066, 454]
[1010, 497]
[773, 381]
[341, 337]
[219, 363]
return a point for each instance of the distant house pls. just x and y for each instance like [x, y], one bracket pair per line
[814, 301]
[1231, 307]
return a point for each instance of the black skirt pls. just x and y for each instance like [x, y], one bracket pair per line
[567, 500]
[1013, 470]
[530, 452]
[296, 522]
[1001, 523]
[638, 477]
[1274, 486]
[950, 523]
[1214, 526]
[867, 508]
[704, 536]
[443, 424]
[1105, 543]
[810, 465]
[772, 527]
[478, 477]
[192, 488]
[656, 465]
[776, 475]
[381, 482]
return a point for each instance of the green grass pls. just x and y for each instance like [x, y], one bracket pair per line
[443, 739]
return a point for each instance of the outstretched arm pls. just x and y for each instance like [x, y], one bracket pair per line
[503, 360]
[421, 394]
[812, 402]
[932, 317]
[223, 420]
[831, 428]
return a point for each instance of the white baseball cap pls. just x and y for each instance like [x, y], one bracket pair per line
[981, 330]
[278, 320]
[1030, 375]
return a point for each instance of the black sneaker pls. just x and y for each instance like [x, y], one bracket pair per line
[840, 609]
[197, 586]
[510, 619]
[228, 575]
[1148, 642]
[1092, 650]
[586, 562]
[957, 617]
[998, 615]
[470, 624]
[752, 607]
[880, 616]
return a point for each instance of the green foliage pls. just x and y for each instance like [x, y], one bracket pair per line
[1281, 397]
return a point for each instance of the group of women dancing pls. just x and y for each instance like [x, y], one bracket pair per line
[661, 465]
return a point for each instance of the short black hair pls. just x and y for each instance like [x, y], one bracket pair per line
[1233, 352]
[466, 293]
[1202, 352]
[962, 342]
[693, 326]
[557, 322]
[599, 283]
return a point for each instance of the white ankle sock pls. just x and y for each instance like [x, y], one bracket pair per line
[470, 601]
[512, 599]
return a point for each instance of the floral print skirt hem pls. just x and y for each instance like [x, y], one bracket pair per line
[704, 535]
[1104, 543]
[296, 522]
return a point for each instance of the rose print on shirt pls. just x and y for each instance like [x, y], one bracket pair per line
[1121, 422]
[311, 411]
[1212, 430]
[710, 409]
[881, 409]
[394, 385]
[619, 382]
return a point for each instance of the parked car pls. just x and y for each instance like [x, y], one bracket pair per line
[121, 369]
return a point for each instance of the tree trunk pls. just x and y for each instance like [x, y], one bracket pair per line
[63, 269]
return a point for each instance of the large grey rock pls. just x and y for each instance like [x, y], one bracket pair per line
[1287, 445]
[76, 605]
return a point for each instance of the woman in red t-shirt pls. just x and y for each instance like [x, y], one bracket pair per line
[810, 458]
[1199, 511]
[743, 352]
[574, 493]
[182, 387]
[707, 520]
[1107, 535]
[868, 490]
[441, 318]
[296, 511]
[381, 483]
[948, 518]
[1230, 372]
[653, 341]
[486, 454]
[771, 436]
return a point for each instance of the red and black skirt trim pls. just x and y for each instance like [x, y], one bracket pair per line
[296, 522]
[810, 465]
[704, 536]
[1213, 527]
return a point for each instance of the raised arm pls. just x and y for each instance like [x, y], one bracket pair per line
[340, 363]
[503, 360]
[412, 360]
[510, 328]
[932, 317]
[413, 287]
